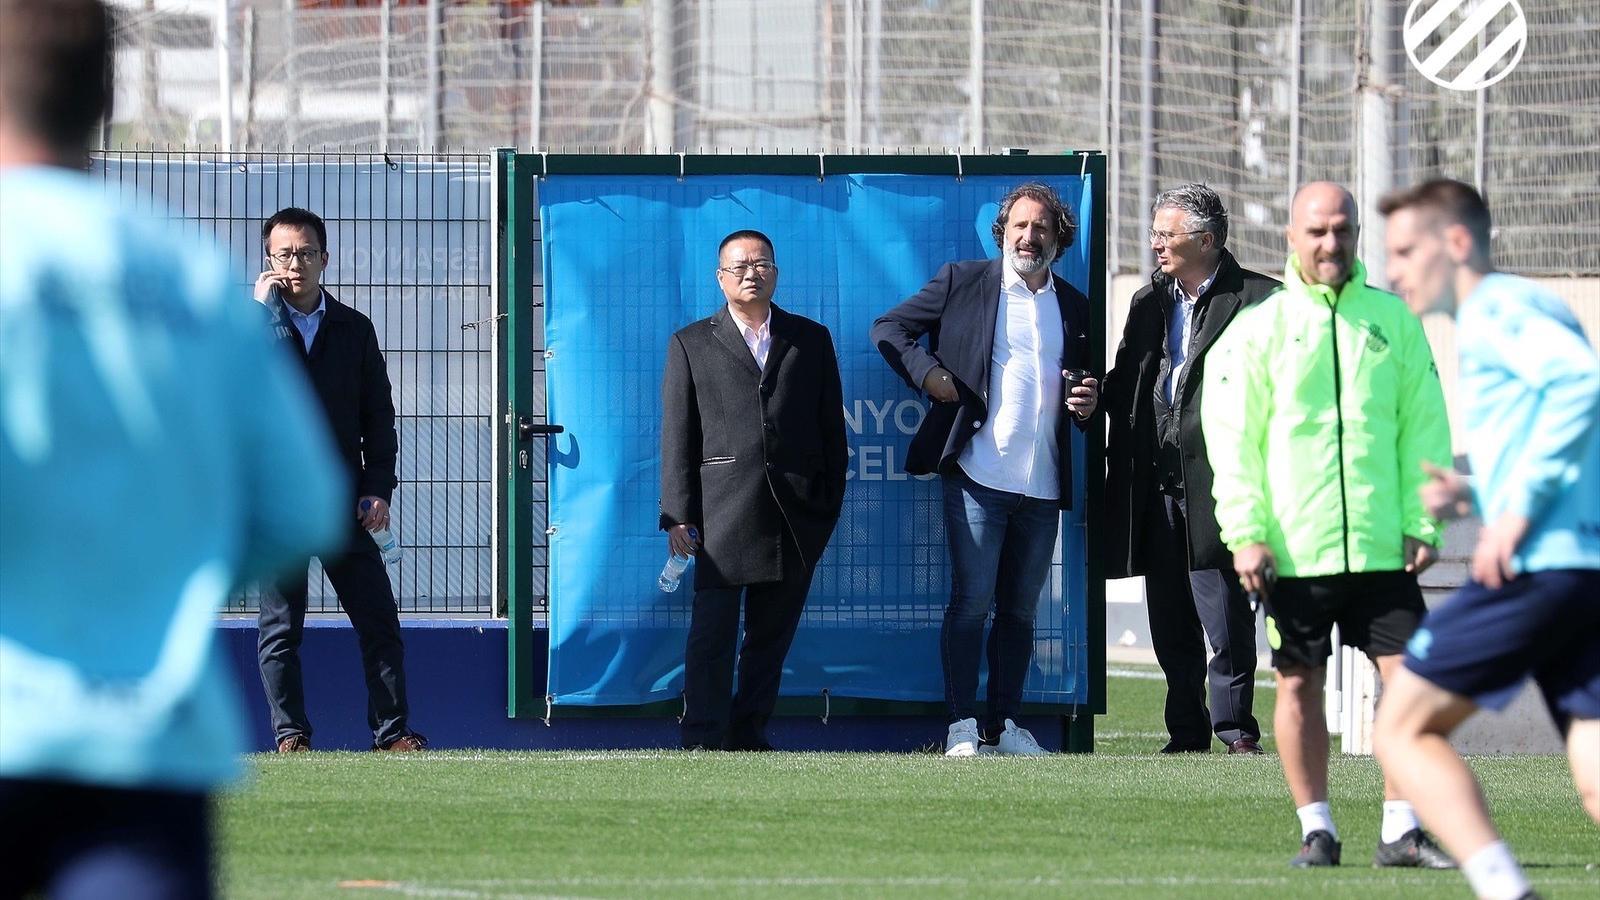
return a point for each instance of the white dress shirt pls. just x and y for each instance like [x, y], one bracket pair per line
[758, 339]
[1180, 328]
[1015, 450]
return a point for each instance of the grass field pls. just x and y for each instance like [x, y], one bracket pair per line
[1123, 822]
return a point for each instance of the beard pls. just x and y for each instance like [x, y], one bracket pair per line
[1028, 265]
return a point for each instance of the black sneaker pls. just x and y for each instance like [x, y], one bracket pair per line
[1319, 849]
[1415, 850]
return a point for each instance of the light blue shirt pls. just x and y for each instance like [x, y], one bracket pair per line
[145, 417]
[1180, 328]
[308, 323]
[1531, 385]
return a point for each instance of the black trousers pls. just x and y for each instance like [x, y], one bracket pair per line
[362, 584]
[67, 840]
[714, 715]
[1187, 607]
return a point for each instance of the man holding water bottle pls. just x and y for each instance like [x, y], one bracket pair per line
[339, 348]
[753, 461]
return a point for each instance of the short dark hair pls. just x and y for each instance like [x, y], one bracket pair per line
[1454, 201]
[295, 217]
[1061, 214]
[56, 68]
[748, 234]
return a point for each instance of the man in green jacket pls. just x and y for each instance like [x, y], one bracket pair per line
[1321, 404]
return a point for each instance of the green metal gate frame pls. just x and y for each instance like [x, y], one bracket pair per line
[519, 272]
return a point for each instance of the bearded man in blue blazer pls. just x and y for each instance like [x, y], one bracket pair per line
[1001, 337]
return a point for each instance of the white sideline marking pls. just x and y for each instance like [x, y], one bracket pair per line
[509, 887]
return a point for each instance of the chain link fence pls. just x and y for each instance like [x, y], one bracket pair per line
[1250, 97]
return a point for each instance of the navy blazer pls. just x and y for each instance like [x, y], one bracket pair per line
[956, 310]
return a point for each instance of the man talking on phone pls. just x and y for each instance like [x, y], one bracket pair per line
[339, 348]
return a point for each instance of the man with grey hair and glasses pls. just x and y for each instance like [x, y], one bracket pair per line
[1159, 506]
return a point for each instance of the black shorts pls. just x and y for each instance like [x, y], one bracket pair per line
[1484, 644]
[1376, 612]
[77, 840]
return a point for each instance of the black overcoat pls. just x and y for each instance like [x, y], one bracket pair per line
[1129, 402]
[956, 310]
[747, 453]
[347, 370]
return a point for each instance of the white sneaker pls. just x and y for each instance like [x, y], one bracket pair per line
[963, 739]
[1016, 741]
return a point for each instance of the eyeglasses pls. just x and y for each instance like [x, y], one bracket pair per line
[740, 270]
[306, 257]
[1165, 237]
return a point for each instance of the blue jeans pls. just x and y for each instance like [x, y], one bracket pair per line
[1001, 545]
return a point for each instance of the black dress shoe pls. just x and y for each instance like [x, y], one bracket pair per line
[1414, 850]
[1319, 849]
[1175, 747]
[1246, 746]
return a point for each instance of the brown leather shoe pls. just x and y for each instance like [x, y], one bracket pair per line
[1246, 746]
[405, 743]
[294, 743]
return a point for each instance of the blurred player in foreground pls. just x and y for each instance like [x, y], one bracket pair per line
[145, 426]
[1530, 388]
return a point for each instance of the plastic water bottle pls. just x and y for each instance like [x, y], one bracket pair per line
[672, 572]
[388, 544]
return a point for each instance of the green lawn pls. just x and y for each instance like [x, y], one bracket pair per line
[1124, 822]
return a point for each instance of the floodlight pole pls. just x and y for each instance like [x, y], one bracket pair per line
[291, 78]
[385, 87]
[662, 95]
[224, 42]
[1377, 151]
[975, 78]
[1148, 38]
[1296, 54]
[431, 127]
[1114, 144]
[536, 66]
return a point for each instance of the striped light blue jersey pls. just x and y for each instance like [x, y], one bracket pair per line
[1531, 387]
[144, 423]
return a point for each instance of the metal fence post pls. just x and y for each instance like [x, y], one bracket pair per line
[513, 230]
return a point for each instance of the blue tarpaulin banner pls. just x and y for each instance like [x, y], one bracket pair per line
[628, 260]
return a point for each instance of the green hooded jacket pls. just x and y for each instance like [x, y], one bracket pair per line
[1318, 411]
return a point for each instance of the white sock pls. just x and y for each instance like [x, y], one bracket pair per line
[1494, 874]
[1398, 818]
[1316, 817]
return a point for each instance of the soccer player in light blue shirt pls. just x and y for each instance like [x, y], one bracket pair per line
[1530, 388]
[144, 423]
